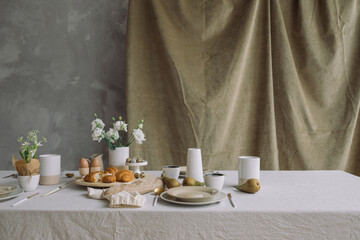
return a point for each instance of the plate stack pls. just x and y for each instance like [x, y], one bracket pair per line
[193, 195]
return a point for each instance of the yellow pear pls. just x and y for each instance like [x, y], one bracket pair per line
[171, 182]
[250, 186]
[189, 181]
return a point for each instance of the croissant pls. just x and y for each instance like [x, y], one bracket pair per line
[108, 178]
[124, 175]
[111, 170]
[93, 177]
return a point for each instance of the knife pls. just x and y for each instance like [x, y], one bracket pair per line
[12, 175]
[155, 200]
[21, 201]
[57, 189]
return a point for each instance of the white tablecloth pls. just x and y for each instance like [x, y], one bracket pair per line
[290, 205]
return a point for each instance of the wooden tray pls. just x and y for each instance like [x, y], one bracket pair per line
[81, 182]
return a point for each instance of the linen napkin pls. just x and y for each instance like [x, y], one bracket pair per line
[118, 200]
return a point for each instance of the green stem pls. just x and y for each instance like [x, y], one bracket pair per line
[112, 147]
[22, 156]
[119, 141]
[34, 154]
[131, 139]
[130, 142]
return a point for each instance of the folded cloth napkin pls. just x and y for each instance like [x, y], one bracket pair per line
[120, 199]
[96, 193]
[126, 199]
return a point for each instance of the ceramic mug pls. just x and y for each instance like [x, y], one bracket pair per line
[214, 180]
[249, 167]
[50, 169]
[171, 171]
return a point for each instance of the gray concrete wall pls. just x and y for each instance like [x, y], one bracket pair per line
[60, 62]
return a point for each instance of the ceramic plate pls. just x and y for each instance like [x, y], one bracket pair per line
[15, 191]
[193, 193]
[81, 182]
[218, 198]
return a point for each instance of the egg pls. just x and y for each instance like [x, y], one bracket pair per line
[95, 165]
[95, 162]
[83, 163]
[83, 167]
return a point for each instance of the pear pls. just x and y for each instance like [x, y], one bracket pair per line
[250, 186]
[170, 182]
[189, 181]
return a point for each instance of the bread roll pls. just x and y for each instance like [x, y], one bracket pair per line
[111, 170]
[108, 178]
[93, 177]
[124, 175]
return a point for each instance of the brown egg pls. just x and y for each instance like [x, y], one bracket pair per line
[83, 163]
[95, 162]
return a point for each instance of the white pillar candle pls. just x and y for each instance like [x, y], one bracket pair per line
[50, 169]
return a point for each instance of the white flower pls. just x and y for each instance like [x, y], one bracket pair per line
[32, 152]
[97, 123]
[140, 124]
[138, 135]
[112, 135]
[120, 126]
[97, 134]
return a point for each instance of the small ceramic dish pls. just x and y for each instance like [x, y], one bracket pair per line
[193, 193]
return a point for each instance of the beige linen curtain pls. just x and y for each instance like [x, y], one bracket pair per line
[276, 79]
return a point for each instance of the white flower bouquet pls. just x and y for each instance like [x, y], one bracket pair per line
[115, 137]
[29, 146]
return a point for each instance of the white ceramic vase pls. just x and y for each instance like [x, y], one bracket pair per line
[194, 167]
[29, 183]
[117, 157]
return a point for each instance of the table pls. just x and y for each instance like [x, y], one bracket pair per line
[290, 205]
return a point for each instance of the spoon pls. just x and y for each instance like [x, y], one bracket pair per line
[157, 192]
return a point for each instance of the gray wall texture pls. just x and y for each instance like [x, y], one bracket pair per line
[60, 62]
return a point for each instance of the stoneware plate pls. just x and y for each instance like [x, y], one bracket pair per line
[9, 191]
[218, 198]
[193, 193]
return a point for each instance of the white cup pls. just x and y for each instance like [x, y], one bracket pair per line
[171, 171]
[214, 180]
[249, 167]
[194, 167]
[50, 169]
